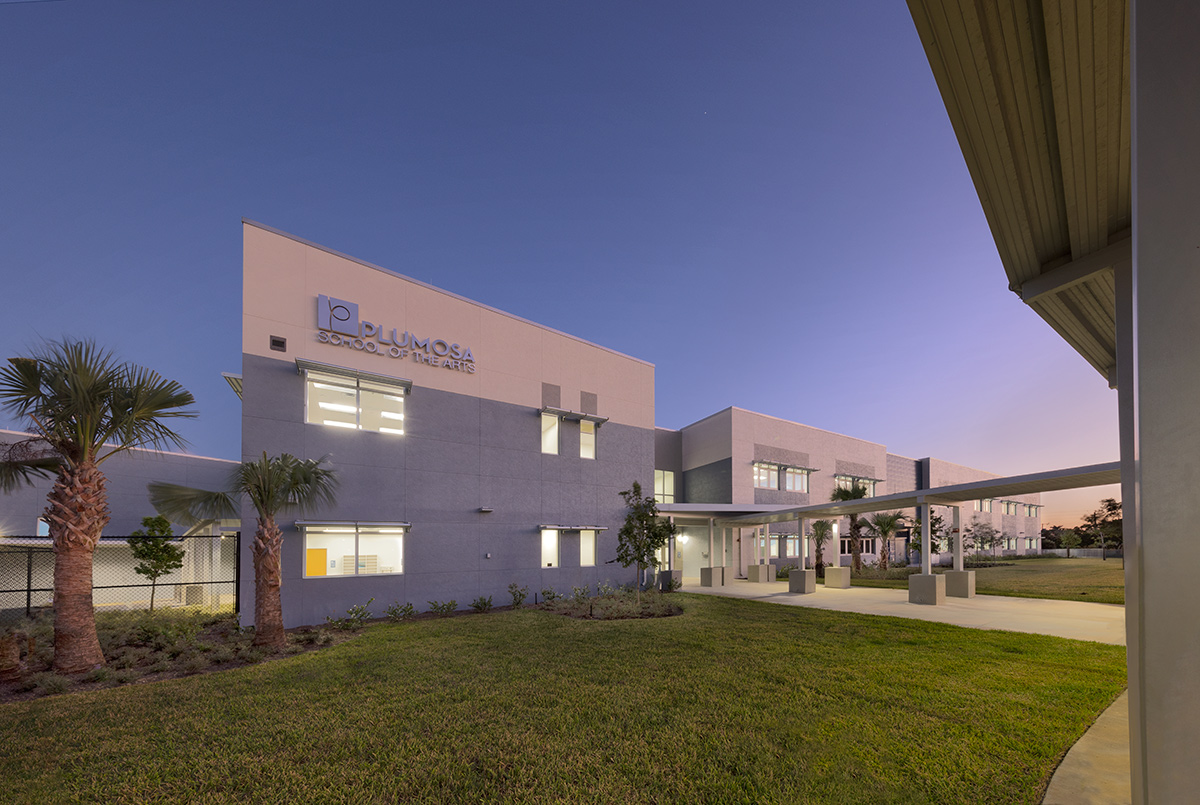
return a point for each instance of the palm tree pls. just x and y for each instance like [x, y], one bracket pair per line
[822, 531]
[883, 526]
[855, 491]
[81, 407]
[274, 486]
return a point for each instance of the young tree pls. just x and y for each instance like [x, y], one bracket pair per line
[274, 486]
[855, 491]
[982, 535]
[1069, 538]
[937, 528]
[154, 551]
[643, 533]
[81, 407]
[883, 526]
[822, 531]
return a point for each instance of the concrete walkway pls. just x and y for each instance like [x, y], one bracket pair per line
[1096, 769]
[1077, 620]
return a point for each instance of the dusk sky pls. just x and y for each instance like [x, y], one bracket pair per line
[765, 200]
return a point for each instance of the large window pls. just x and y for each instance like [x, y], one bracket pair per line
[664, 486]
[795, 479]
[352, 549]
[1031, 511]
[550, 434]
[848, 481]
[587, 548]
[355, 403]
[984, 505]
[766, 476]
[549, 547]
[865, 546]
[1010, 506]
[587, 439]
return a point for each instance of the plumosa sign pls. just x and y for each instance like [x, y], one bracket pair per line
[338, 323]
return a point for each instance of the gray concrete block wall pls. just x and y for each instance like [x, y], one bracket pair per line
[458, 454]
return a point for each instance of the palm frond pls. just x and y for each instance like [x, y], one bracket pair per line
[189, 506]
[24, 461]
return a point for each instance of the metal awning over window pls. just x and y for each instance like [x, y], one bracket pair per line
[576, 416]
[572, 528]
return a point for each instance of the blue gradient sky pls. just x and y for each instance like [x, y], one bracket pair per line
[765, 200]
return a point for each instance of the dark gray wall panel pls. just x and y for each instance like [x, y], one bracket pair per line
[711, 483]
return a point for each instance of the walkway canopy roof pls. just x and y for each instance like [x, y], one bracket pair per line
[1055, 480]
[1038, 95]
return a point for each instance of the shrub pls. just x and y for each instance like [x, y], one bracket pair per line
[356, 617]
[443, 608]
[549, 595]
[519, 594]
[581, 594]
[482, 604]
[251, 655]
[126, 676]
[785, 571]
[48, 684]
[194, 665]
[98, 675]
[397, 613]
[607, 589]
[221, 654]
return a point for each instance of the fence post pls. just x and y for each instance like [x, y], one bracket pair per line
[29, 582]
[237, 576]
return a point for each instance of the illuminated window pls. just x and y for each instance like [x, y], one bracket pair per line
[355, 403]
[664, 486]
[352, 549]
[550, 434]
[766, 476]
[848, 481]
[774, 547]
[587, 439]
[1031, 511]
[984, 505]
[1010, 506]
[587, 548]
[795, 479]
[793, 546]
[865, 546]
[549, 547]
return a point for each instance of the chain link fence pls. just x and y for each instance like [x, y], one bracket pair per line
[207, 581]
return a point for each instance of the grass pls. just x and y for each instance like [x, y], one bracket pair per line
[732, 701]
[1096, 580]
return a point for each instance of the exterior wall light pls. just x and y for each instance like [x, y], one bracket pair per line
[485, 509]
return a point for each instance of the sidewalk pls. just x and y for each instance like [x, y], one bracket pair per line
[1095, 770]
[1077, 620]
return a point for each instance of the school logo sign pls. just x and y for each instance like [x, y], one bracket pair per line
[339, 324]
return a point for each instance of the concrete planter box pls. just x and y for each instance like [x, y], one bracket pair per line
[665, 578]
[731, 573]
[837, 578]
[927, 588]
[802, 581]
[760, 573]
[712, 577]
[960, 583]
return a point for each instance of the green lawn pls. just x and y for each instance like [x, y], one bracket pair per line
[733, 701]
[1097, 580]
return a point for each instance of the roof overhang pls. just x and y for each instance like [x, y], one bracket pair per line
[1038, 94]
[1052, 481]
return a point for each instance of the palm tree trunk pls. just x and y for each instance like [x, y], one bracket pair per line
[819, 564]
[268, 578]
[884, 553]
[855, 545]
[77, 511]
